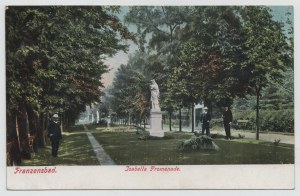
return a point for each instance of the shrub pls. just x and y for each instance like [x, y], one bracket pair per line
[197, 143]
[270, 120]
[276, 142]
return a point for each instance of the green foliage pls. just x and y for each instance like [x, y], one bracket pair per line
[211, 55]
[131, 89]
[271, 120]
[163, 24]
[215, 53]
[266, 46]
[55, 55]
[278, 95]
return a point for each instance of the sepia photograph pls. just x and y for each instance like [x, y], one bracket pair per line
[145, 94]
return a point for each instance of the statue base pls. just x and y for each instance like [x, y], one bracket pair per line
[156, 123]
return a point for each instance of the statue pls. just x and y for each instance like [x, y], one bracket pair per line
[155, 113]
[154, 95]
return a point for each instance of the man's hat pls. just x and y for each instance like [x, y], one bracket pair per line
[205, 108]
[55, 116]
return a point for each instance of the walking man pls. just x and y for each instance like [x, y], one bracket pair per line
[54, 133]
[205, 121]
[227, 119]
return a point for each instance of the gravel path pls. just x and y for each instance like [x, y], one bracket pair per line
[101, 155]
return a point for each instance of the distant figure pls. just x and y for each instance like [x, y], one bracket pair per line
[154, 95]
[54, 133]
[205, 117]
[227, 119]
[108, 121]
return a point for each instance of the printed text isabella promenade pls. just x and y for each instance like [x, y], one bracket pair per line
[152, 168]
[45, 170]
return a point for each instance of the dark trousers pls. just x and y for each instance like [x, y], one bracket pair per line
[55, 145]
[205, 127]
[227, 131]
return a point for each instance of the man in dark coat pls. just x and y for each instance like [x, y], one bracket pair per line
[54, 133]
[227, 119]
[205, 117]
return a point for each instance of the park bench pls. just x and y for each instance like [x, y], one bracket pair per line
[242, 123]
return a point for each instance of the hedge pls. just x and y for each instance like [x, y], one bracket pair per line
[270, 120]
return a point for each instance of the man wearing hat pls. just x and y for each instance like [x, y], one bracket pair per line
[227, 119]
[205, 117]
[54, 133]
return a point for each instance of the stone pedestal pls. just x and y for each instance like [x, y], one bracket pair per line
[156, 123]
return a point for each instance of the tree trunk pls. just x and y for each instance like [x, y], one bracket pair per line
[41, 133]
[13, 137]
[257, 114]
[33, 125]
[170, 121]
[62, 123]
[18, 134]
[193, 114]
[180, 122]
[22, 119]
[11, 133]
[16, 152]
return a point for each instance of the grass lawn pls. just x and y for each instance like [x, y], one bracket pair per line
[75, 149]
[126, 149]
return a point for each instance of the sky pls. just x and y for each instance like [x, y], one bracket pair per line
[121, 57]
[279, 14]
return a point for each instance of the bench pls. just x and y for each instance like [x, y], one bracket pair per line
[242, 123]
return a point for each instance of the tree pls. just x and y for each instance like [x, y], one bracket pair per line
[211, 56]
[266, 51]
[130, 91]
[163, 24]
[55, 61]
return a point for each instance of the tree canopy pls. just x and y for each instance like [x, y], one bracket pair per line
[212, 53]
[130, 90]
[55, 57]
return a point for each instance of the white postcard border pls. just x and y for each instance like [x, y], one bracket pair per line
[257, 175]
[149, 177]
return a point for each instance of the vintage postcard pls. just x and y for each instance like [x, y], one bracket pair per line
[149, 96]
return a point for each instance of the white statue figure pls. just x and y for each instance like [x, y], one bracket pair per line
[154, 95]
